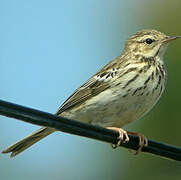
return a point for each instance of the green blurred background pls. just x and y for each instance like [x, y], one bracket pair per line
[48, 49]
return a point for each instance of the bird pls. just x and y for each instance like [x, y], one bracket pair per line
[121, 92]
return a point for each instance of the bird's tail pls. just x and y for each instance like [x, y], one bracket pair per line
[28, 141]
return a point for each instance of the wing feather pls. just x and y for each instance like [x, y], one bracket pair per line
[92, 87]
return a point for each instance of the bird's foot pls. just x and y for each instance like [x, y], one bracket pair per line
[142, 141]
[122, 138]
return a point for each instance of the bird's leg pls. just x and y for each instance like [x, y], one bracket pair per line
[123, 136]
[142, 141]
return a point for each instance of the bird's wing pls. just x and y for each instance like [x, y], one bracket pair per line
[95, 85]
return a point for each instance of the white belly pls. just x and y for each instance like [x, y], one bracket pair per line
[117, 106]
[113, 109]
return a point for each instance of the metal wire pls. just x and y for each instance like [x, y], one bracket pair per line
[83, 129]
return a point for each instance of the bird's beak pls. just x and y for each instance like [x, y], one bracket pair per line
[170, 38]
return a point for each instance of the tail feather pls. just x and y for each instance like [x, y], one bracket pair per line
[28, 141]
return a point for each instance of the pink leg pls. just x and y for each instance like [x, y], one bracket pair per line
[122, 133]
[142, 141]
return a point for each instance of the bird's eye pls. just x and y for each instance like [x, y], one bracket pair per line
[148, 41]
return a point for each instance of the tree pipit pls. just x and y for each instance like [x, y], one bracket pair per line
[122, 91]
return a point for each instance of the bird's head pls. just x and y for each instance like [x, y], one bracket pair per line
[148, 43]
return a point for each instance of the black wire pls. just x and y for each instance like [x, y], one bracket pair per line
[83, 129]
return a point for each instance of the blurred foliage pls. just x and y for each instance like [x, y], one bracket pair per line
[163, 122]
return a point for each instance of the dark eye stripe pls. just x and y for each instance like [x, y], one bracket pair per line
[144, 40]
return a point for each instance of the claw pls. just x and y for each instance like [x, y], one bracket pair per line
[142, 141]
[123, 136]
